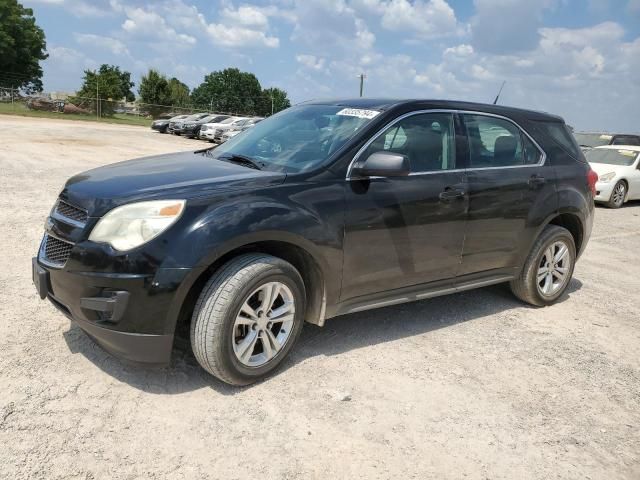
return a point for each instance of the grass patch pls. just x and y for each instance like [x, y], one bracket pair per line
[121, 118]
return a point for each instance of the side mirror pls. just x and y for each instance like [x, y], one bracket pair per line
[383, 164]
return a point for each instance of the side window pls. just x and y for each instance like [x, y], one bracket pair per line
[493, 142]
[427, 139]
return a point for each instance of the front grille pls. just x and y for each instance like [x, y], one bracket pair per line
[69, 211]
[56, 251]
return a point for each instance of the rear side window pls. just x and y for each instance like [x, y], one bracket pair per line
[561, 134]
[495, 142]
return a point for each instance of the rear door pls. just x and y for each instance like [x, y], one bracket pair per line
[404, 231]
[510, 186]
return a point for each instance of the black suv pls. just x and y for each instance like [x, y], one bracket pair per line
[324, 209]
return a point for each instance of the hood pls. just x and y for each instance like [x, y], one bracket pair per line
[177, 175]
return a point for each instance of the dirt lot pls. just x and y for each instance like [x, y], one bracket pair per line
[474, 385]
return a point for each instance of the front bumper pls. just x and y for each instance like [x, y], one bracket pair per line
[131, 316]
[604, 191]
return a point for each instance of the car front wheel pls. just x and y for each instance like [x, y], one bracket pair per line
[548, 269]
[247, 318]
[618, 195]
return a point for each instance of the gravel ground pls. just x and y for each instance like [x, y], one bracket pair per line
[474, 385]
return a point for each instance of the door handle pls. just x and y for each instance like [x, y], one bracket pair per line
[536, 181]
[450, 194]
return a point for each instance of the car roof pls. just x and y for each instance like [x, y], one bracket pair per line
[383, 104]
[634, 148]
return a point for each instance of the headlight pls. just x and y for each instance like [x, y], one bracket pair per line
[607, 177]
[130, 226]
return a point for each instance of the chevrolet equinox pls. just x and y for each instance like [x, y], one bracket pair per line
[324, 209]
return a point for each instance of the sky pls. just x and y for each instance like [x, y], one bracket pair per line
[576, 58]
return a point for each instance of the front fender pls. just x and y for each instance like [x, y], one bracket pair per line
[308, 216]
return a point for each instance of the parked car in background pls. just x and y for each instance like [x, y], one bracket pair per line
[177, 126]
[177, 120]
[587, 141]
[618, 169]
[208, 130]
[237, 125]
[232, 132]
[292, 222]
[160, 125]
[191, 128]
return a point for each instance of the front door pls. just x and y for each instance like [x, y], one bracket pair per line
[509, 183]
[404, 231]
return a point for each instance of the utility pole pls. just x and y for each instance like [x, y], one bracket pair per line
[362, 77]
[272, 104]
[97, 97]
[211, 105]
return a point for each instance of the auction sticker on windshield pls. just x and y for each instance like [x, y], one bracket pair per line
[357, 112]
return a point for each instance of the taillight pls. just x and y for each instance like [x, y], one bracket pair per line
[592, 179]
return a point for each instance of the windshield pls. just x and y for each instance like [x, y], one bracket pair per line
[297, 139]
[610, 156]
[592, 139]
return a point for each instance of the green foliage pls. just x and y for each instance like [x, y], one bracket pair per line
[279, 98]
[22, 46]
[154, 90]
[178, 93]
[229, 90]
[112, 85]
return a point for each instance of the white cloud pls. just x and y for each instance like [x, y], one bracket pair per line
[82, 8]
[311, 62]
[427, 19]
[234, 36]
[114, 45]
[147, 24]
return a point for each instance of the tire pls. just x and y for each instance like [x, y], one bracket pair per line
[219, 326]
[532, 285]
[618, 195]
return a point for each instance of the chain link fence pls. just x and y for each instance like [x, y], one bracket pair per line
[15, 101]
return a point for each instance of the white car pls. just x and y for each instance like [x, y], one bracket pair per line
[208, 130]
[618, 169]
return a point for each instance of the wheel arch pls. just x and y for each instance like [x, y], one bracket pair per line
[307, 265]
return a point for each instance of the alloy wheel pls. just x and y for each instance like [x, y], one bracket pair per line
[554, 268]
[264, 324]
[619, 193]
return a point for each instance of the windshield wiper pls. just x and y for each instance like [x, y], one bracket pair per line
[241, 160]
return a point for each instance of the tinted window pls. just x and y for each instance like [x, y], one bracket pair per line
[561, 134]
[494, 142]
[427, 139]
[626, 140]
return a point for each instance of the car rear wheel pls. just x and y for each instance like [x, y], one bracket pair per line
[618, 195]
[247, 318]
[548, 269]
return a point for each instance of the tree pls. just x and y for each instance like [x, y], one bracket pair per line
[274, 100]
[154, 91]
[22, 46]
[178, 93]
[229, 90]
[112, 85]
